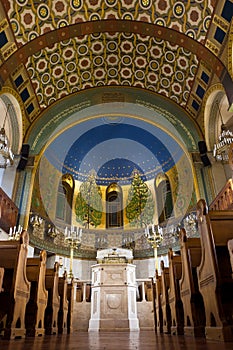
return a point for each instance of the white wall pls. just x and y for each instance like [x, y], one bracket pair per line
[3, 235]
[145, 268]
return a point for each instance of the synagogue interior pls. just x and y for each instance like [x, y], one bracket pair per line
[116, 174]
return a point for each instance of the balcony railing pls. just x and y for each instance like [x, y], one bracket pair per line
[224, 200]
[8, 212]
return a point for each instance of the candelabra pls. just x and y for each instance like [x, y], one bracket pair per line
[14, 233]
[101, 242]
[52, 231]
[36, 220]
[190, 224]
[154, 235]
[170, 235]
[73, 238]
[128, 241]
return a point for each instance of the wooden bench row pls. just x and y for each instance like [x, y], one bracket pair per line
[194, 295]
[34, 300]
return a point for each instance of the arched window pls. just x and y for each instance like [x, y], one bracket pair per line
[164, 198]
[114, 213]
[65, 198]
[11, 120]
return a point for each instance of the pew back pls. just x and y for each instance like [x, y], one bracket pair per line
[1, 278]
[165, 284]
[176, 306]
[53, 305]
[13, 299]
[230, 249]
[63, 310]
[36, 306]
[158, 307]
[215, 272]
[193, 306]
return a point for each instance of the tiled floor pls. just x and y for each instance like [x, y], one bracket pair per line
[113, 341]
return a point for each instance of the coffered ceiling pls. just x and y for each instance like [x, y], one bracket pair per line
[55, 48]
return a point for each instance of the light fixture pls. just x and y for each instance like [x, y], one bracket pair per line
[6, 155]
[35, 220]
[14, 233]
[73, 238]
[154, 236]
[220, 151]
[52, 231]
[128, 241]
[101, 242]
[190, 224]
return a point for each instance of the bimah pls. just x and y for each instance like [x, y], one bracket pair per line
[113, 302]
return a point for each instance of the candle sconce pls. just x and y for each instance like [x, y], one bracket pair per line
[36, 220]
[52, 231]
[128, 241]
[15, 232]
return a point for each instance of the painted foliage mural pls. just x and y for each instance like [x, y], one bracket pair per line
[140, 204]
[88, 206]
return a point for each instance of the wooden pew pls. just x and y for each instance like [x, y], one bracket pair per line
[214, 273]
[148, 291]
[1, 278]
[53, 305]
[88, 292]
[230, 249]
[194, 311]
[153, 288]
[35, 309]
[16, 287]
[175, 302]
[165, 283]
[70, 299]
[63, 309]
[79, 292]
[158, 306]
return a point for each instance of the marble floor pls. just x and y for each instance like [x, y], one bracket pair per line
[144, 340]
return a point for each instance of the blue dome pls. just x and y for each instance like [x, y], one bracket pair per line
[114, 150]
[118, 168]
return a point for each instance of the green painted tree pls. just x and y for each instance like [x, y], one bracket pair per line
[140, 203]
[88, 206]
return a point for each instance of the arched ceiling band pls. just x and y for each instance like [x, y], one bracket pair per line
[148, 29]
[151, 107]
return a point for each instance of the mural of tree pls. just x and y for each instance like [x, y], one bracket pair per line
[88, 206]
[140, 203]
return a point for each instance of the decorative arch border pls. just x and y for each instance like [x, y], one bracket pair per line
[16, 114]
[230, 51]
[76, 108]
[216, 92]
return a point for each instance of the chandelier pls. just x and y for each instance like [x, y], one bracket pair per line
[221, 147]
[6, 155]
